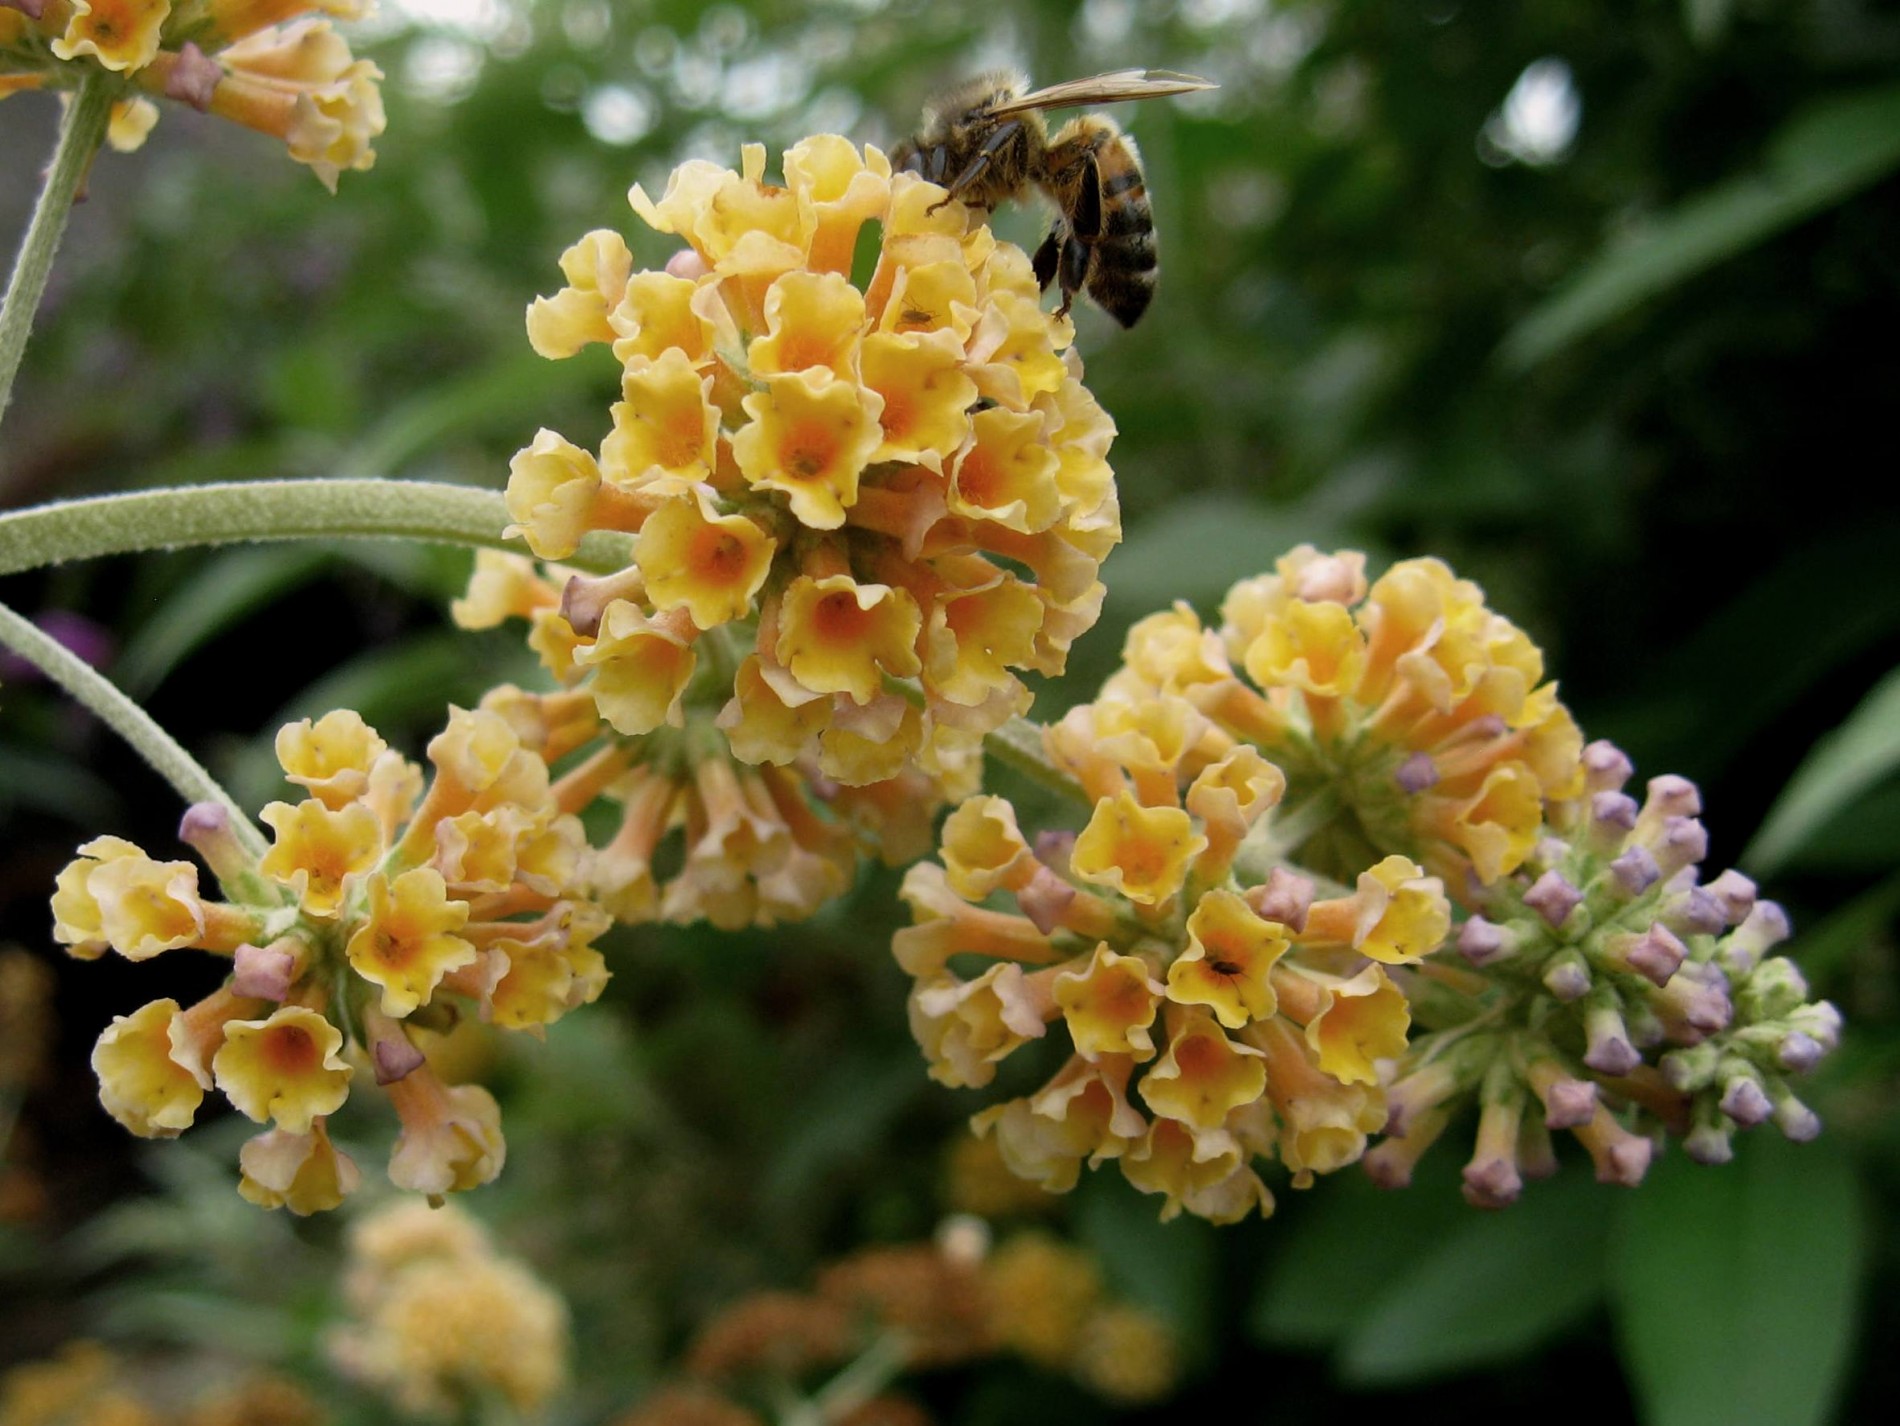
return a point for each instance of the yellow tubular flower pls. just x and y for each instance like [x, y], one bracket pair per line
[284, 1069]
[406, 943]
[596, 269]
[301, 1172]
[709, 564]
[122, 35]
[318, 853]
[140, 1084]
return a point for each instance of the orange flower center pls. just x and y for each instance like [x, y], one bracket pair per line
[290, 1050]
[839, 619]
[718, 556]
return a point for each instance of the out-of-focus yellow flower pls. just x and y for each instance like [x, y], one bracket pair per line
[1127, 1355]
[271, 65]
[440, 1321]
[1041, 1292]
[382, 897]
[880, 500]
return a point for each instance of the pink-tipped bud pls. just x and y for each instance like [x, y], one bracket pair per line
[1656, 955]
[1798, 1123]
[1671, 796]
[1484, 943]
[1553, 898]
[1605, 767]
[1820, 1022]
[1764, 928]
[194, 78]
[1285, 896]
[1744, 1102]
[1635, 872]
[1683, 841]
[1569, 1103]
[1612, 819]
[1053, 849]
[32, 9]
[1710, 1144]
[1798, 1053]
[1776, 989]
[1492, 1183]
[1045, 900]
[395, 1056]
[1417, 773]
[1693, 912]
[1609, 1050]
[1567, 977]
[263, 972]
[1621, 1158]
[1736, 893]
[206, 828]
[1699, 998]
[688, 264]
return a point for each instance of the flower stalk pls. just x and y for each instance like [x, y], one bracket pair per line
[80, 134]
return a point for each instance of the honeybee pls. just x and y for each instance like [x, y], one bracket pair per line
[986, 140]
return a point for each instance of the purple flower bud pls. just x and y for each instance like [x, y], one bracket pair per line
[1052, 849]
[1612, 819]
[1736, 893]
[1492, 1183]
[1388, 1166]
[1609, 1050]
[1764, 928]
[32, 9]
[1776, 989]
[1635, 872]
[1626, 1162]
[1567, 978]
[1569, 1103]
[1744, 1102]
[1692, 1068]
[1483, 942]
[262, 972]
[1709, 1144]
[1699, 999]
[1553, 898]
[1417, 773]
[194, 79]
[1045, 900]
[1820, 1022]
[1286, 896]
[1798, 1053]
[1605, 767]
[395, 1057]
[1796, 1121]
[1671, 796]
[206, 829]
[1655, 955]
[1683, 842]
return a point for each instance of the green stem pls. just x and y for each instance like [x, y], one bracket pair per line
[80, 134]
[128, 720]
[857, 1384]
[271, 510]
[1017, 745]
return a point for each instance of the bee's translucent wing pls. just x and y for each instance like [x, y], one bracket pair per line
[1113, 88]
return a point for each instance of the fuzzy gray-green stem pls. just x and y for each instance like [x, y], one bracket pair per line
[128, 720]
[80, 134]
[230, 512]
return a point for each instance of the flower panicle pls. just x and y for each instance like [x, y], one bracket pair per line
[276, 66]
[865, 493]
[385, 902]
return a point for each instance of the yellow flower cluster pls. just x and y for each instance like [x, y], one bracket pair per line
[272, 65]
[702, 834]
[378, 901]
[443, 1323]
[1255, 1014]
[865, 482]
[1420, 713]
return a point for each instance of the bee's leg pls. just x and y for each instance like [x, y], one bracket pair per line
[1047, 256]
[1073, 270]
[975, 168]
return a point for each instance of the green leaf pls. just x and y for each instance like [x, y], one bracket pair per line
[1821, 157]
[1822, 950]
[1734, 1289]
[1500, 1285]
[1841, 767]
[1332, 1265]
[1199, 546]
[49, 783]
[1168, 1268]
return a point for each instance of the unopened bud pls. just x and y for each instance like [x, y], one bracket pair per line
[1567, 977]
[1285, 896]
[263, 972]
[1744, 1102]
[1569, 1102]
[1798, 1053]
[1605, 767]
[1671, 796]
[1776, 989]
[1553, 898]
[1711, 1141]
[1635, 872]
[1484, 943]
[1820, 1022]
[1610, 1051]
[1693, 912]
[1045, 899]
[1612, 818]
[585, 599]
[1416, 773]
[206, 828]
[1691, 1068]
[1682, 842]
[1798, 1123]
[395, 1056]
[1736, 893]
[1656, 955]
[1053, 848]
[194, 78]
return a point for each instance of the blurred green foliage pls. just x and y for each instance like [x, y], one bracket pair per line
[1593, 298]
